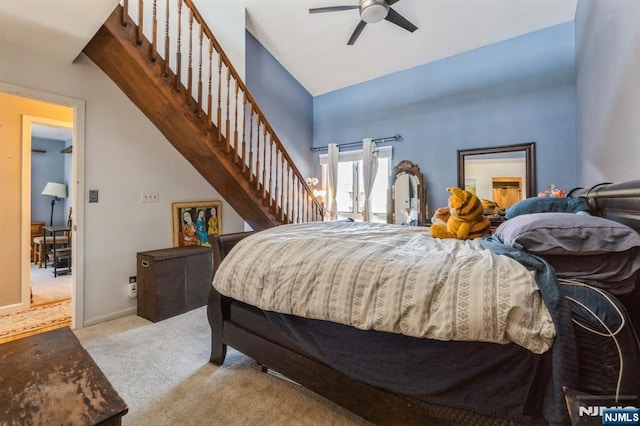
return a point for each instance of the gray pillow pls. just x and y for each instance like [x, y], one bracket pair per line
[614, 272]
[590, 249]
[567, 234]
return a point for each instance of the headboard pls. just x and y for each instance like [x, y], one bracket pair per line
[619, 201]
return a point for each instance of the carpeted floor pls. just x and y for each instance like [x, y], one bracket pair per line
[37, 319]
[163, 373]
[47, 288]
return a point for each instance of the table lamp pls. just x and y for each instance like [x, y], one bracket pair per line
[56, 190]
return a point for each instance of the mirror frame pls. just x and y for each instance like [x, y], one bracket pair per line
[400, 169]
[529, 150]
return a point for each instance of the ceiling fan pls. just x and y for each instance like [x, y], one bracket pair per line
[371, 11]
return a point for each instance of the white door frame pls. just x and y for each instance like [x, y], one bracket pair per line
[77, 188]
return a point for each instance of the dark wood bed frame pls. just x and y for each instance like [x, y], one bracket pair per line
[246, 329]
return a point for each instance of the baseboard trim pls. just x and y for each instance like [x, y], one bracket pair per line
[10, 308]
[109, 317]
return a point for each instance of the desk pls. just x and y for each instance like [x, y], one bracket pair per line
[49, 378]
[58, 252]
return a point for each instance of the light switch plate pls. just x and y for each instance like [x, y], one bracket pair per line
[93, 195]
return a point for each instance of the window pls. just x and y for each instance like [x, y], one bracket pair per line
[350, 189]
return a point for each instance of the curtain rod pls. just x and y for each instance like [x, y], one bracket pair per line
[379, 140]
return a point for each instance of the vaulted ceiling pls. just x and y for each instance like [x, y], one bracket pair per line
[312, 47]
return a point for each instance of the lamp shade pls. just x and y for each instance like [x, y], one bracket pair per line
[58, 190]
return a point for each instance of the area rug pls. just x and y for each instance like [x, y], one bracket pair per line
[35, 320]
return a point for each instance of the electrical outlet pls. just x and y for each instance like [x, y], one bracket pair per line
[150, 197]
[132, 279]
[133, 290]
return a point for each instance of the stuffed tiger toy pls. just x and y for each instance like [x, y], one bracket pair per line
[466, 221]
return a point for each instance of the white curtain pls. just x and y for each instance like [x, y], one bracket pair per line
[332, 181]
[369, 170]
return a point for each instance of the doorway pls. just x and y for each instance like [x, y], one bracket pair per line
[24, 108]
[51, 205]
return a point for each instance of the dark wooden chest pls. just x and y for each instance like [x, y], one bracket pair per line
[173, 281]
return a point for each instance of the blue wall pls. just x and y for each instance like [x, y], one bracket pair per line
[47, 167]
[517, 91]
[287, 105]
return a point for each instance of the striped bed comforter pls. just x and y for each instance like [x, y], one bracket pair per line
[389, 278]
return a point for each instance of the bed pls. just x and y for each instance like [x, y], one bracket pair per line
[575, 332]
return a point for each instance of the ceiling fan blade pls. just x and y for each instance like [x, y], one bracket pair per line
[331, 9]
[395, 18]
[356, 33]
[392, 2]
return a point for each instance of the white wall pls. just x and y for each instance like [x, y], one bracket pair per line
[226, 18]
[124, 155]
[608, 90]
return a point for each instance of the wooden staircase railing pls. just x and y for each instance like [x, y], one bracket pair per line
[188, 56]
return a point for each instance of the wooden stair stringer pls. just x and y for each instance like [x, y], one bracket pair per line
[175, 115]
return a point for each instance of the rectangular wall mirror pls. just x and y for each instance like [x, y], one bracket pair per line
[503, 174]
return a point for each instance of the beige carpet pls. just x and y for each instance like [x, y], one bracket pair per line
[47, 288]
[163, 373]
[37, 319]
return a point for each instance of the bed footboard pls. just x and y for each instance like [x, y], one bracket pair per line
[218, 306]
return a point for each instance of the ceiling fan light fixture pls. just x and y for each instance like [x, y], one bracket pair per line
[372, 11]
